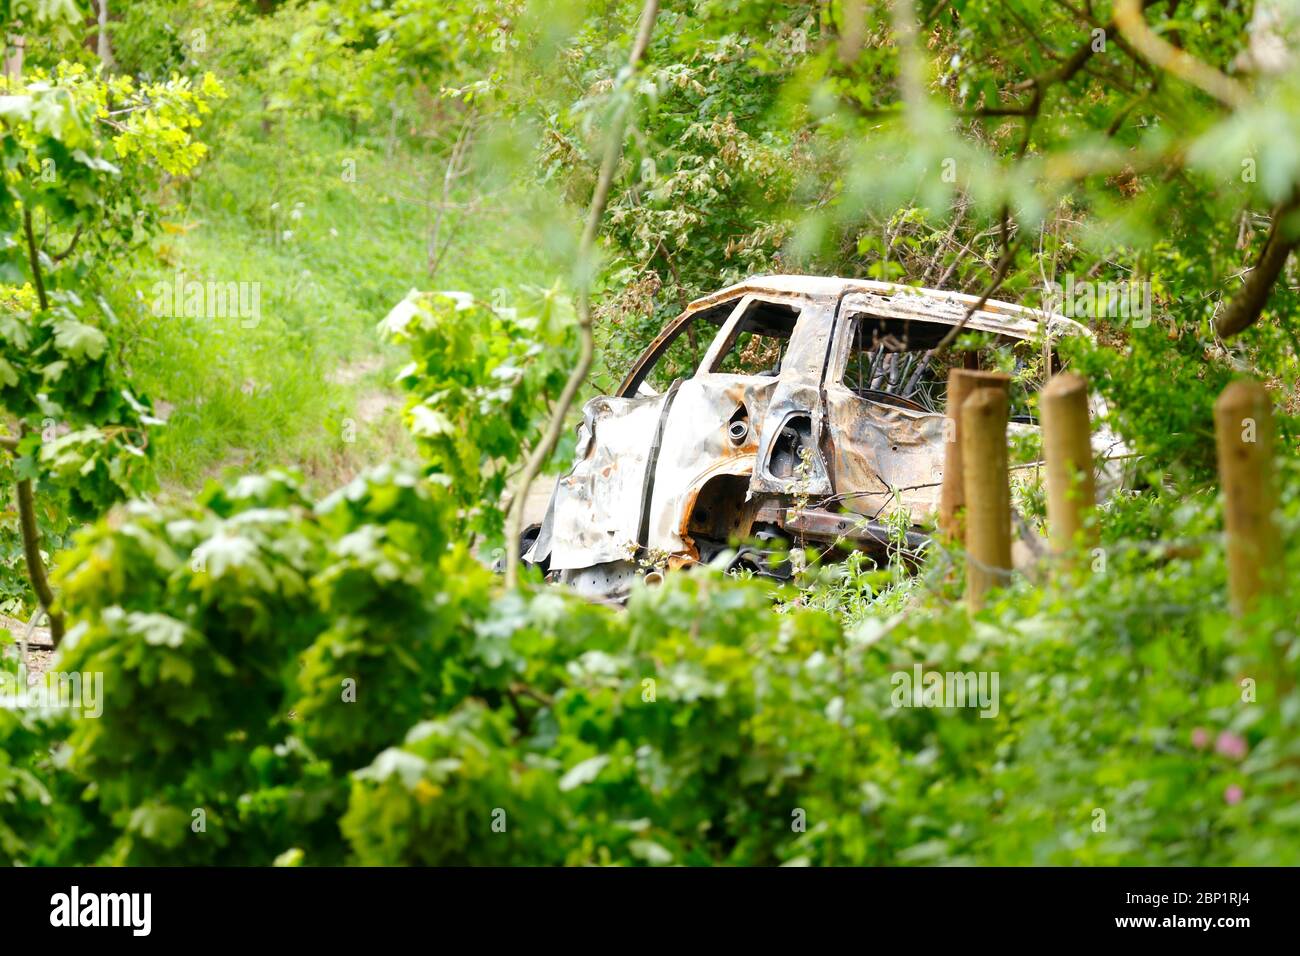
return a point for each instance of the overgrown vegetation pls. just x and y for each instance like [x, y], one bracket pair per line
[295, 674]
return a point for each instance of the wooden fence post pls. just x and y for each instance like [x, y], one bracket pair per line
[1243, 424]
[1067, 450]
[987, 491]
[961, 383]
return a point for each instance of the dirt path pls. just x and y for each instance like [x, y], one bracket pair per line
[539, 498]
[371, 403]
[39, 648]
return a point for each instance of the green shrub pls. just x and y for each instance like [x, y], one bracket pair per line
[703, 724]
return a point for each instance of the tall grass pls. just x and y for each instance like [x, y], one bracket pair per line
[330, 226]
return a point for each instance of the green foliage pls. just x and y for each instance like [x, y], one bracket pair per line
[24, 800]
[1159, 393]
[329, 213]
[482, 375]
[57, 17]
[339, 683]
[71, 167]
[292, 680]
[183, 616]
[701, 197]
[387, 604]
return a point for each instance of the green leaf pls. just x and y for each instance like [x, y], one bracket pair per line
[79, 341]
[584, 772]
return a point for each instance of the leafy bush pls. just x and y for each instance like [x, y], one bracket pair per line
[340, 682]
[482, 375]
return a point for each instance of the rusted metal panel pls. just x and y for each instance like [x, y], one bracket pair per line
[885, 458]
[701, 449]
[853, 529]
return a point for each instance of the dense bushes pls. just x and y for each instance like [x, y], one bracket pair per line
[342, 682]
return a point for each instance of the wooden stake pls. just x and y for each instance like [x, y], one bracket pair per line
[961, 383]
[1067, 449]
[14, 47]
[1243, 424]
[987, 491]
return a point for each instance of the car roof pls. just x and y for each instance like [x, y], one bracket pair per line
[891, 300]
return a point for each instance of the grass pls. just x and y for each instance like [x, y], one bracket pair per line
[324, 224]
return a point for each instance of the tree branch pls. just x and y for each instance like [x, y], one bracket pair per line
[1244, 309]
[1133, 26]
[1003, 265]
[32, 555]
[26, 502]
[76, 237]
[35, 259]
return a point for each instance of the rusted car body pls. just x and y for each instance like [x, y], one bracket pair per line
[815, 416]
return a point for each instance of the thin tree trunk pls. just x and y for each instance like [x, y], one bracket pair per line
[455, 169]
[544, 447]
[26, 501]
[101, 40]
[32, 555]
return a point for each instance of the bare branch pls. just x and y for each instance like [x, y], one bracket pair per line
[455, 169]
[1133, 26]
[1003, 265]
[76, 237]
[34, 258]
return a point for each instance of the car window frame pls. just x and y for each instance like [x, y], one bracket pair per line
[655, 351]
[730, 332]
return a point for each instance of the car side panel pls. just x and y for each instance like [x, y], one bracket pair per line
[595, 511]
[876, 449]
[696, 447]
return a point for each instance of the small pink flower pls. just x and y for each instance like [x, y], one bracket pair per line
[1232, 796]
[1231, 745]
[1200, 738]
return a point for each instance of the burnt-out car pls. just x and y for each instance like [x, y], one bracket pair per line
[814, 416]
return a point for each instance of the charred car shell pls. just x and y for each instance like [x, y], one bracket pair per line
[837, 434]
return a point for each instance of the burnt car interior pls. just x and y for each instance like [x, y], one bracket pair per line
[892, 361]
